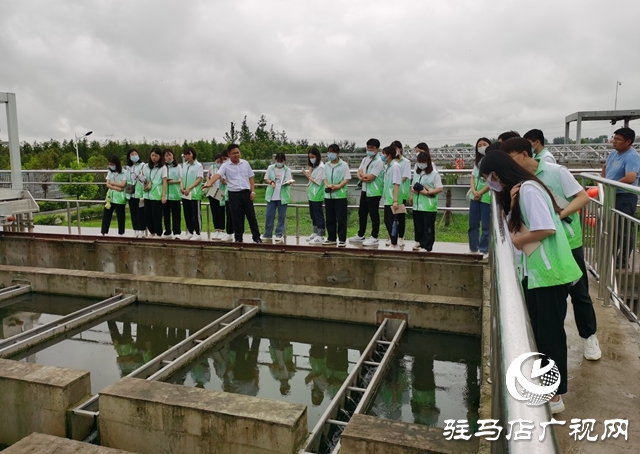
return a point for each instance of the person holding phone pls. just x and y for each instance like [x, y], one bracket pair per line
[425, 187]
[278, 196]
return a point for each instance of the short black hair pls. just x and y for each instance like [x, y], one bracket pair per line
[533, 135]
[173, 163]
[517, 144]
[390, 151]
[190, 150]
[495, 146]
[116, 160]
[508, 135]
[281, 157]
[233, 146]
[397, 144]
[373, 143]
[334, 147]
[158, 151]
[626, 133]
[129, 161]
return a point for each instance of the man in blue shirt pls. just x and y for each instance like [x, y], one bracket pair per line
[623, 165]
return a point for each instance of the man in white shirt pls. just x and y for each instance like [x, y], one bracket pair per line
[240, 188]
[540, 152]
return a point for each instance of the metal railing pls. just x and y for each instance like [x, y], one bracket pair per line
[511, 336]
[610, 242]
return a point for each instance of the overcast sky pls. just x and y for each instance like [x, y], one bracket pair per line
[440, 71]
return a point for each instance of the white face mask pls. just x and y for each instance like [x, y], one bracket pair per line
[494, 185]
[482, 150]
[422, 165]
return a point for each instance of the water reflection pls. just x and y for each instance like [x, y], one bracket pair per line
[293, 360]
[432, 377]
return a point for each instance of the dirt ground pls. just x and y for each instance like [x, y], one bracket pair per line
[604, 389]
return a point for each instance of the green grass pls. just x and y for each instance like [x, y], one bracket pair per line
[456, 232]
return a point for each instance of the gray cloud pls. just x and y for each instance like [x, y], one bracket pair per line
[439, 71]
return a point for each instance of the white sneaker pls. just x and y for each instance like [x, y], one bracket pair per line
[485, 255]
[394, 246]
[264, 238]
[226, 237]
[216, 236]
[592, 348]
[556, 407]
[318, 240]
[165, 235]
[342, 244]
[422, 250]
[195, 238]
[278, 239]
[357, 239]
[328, 242]
[400, 242]
[313, 235]
[371, 241]
[416, 246]
[185, 236]
[387, 243]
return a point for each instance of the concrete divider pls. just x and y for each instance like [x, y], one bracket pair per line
[47, 444]
[35, 398]
[158, 418]
[371, 435]
[460, 315]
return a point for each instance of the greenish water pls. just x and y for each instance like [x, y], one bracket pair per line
[292, 360]
[433, 377]
[114, 348]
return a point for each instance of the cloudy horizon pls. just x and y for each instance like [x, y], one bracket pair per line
[439, 71]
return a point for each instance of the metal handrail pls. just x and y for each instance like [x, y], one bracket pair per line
[511, 336]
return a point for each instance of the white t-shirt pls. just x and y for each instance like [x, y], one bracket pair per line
[279, 172]
[538, 214]
[371, 166]
[237, 175]
[570, 185]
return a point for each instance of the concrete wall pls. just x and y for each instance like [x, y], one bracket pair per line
[438, 274]
[35, 398]
[157, 418]
[47, 444]
[371, 435]
[450, 314]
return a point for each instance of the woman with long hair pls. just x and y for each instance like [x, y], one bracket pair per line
[547, 264]
[155, 191]
[278, 196]
[426, 184]
[220, 208]
[390, 193]
[116, 197]
[192, 175]
[135, 192]
[479, 203]
[171, 210]
[315, 173]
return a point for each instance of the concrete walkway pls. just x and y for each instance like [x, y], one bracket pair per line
[604, 389]
[457, 248]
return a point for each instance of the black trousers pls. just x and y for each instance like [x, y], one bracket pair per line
[369, 206]
[138, 219]
[336, 213]
[107, 215]
[192, 215]
[317, 215]
[241, 206]
[171, 214]
[547, 307]
[153, 214]
[625, 243]
[424, 225]
[402, 221]
[581, 301]
[389, 217]
[219, 213]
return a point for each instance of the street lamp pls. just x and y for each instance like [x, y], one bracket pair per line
[75, 142]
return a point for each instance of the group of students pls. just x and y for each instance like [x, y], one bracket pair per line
[542, 201]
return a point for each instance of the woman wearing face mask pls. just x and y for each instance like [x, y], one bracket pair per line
[220, 208]
[425, 187]
[192, 175]
[135, 183]
[337, 176]
[278, 196]
[116, 181]
[547, 263]
[155, 191]
[171, 210]
[315, 193]
[479, 203]
[390, 192]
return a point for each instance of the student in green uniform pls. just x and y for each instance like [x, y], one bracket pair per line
[135, 179]
[155, 191]
[549, 268]
[116, 197]
[315, 193]
[220, 208]
[336, 177]
[371, 174]
[171, 210]
[390, 193]
[572, 197]
[479, 203]
[425, 187]
[403, 198]
[192, 175]
[278, 196]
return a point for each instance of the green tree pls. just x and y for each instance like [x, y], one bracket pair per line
[245, 133]
[82, 190]
[261, 134]
[232, 136]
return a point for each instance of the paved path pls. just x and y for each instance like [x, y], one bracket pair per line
[604, 389]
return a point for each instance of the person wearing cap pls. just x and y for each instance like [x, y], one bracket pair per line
[241, 191]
